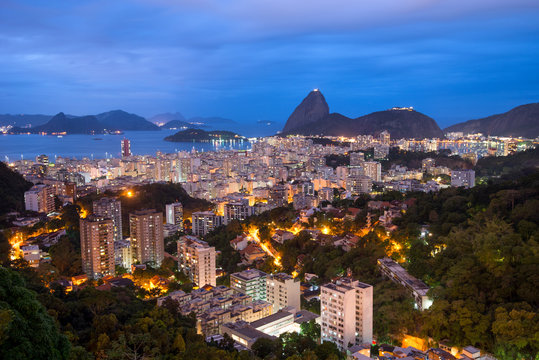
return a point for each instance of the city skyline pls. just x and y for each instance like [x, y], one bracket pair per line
[248, 62]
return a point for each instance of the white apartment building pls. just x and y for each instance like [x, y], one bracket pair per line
[110, 208]
[346, 311]
[251, 282]
[197, 259]
[464, 178]
[174, 214]
[373, 169]
[40, 198]
[283, 290]
[205, 221]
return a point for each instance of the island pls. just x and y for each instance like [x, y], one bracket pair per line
[199, 135]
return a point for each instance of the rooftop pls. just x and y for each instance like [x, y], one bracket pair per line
[249, 274]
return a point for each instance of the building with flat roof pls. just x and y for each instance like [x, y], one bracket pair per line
[40, 198]
[465, 178]
[147, 240]
[398, 274]
[110, 208]
[251, 282]
[174, 214]
[97, 246]
[346, 311]
[282, 290]
[197, 259]
[205, 221]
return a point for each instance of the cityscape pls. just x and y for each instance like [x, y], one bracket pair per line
[313, 235]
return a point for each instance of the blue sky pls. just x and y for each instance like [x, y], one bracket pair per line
[250, 60]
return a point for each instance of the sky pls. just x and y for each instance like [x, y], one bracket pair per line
[251, 60]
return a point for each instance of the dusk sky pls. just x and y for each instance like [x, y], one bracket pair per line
[253, 60]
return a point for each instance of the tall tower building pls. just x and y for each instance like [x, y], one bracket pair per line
[97, 246]
[283, 290]
[147, 241]
[126, 148]
[346, 311]
[205, 221]
[197, 259]
[385, 138]
[174, 214]
[40, 198]
[110, 208]
[373, 169]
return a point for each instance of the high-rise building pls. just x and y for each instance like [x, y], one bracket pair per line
[427, 165]
[251, 282]
[205, 221]
[464, 178]
[385, 138]
[147, 242]
[358, 184]
[238, 210]
[39, 198]
[174, 214]
[346, 311]
[197, 259]
[126, 147]
[97, 246]
[110, 208]
[42, 159]
[283, 290]
[373, 169]
[357, 158]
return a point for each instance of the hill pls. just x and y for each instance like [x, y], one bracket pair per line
[119, 119]
[310, 111]
[520, 121]
[12, 188]
[161, 119]
[61, 123]
[312, 117]
[196, 135]
[179, 124]
[23, 120]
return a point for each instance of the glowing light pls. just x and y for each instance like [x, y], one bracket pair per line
[129, 193]
[325, 230]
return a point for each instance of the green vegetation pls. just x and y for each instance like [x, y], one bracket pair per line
[26, 330]
[199, 135]
[413, 159]
[12, 188]
[482, 260]
[513, 166]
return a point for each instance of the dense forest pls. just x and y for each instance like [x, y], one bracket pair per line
[12, 188]
[482, 261]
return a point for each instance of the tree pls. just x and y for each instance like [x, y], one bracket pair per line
[28, 331]
[264, 347]
[179, 343]
[311, 329]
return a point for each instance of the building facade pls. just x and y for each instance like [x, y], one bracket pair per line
[147, 242]
[174, 214]
[40, 198]
[251, 282]
[97, 246]
[197, 259]
[282, 290]
[110, 208]
[346, 311]
[205, 221]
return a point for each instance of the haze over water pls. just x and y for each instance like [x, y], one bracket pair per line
[80, 146]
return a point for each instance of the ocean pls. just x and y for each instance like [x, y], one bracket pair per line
[15, 147]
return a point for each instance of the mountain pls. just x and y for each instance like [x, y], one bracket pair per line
[164, 118]
[119, 119]
[312, 117]
[179, 124]
[311, 110]
[23, 120]
[520, 121]
[196, 135]
[61, 123]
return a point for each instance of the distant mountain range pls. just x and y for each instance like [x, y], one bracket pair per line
[520, 121]
[312, 117]
[190, 135]
[179, 124]
[111, 121]
[161, 119]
